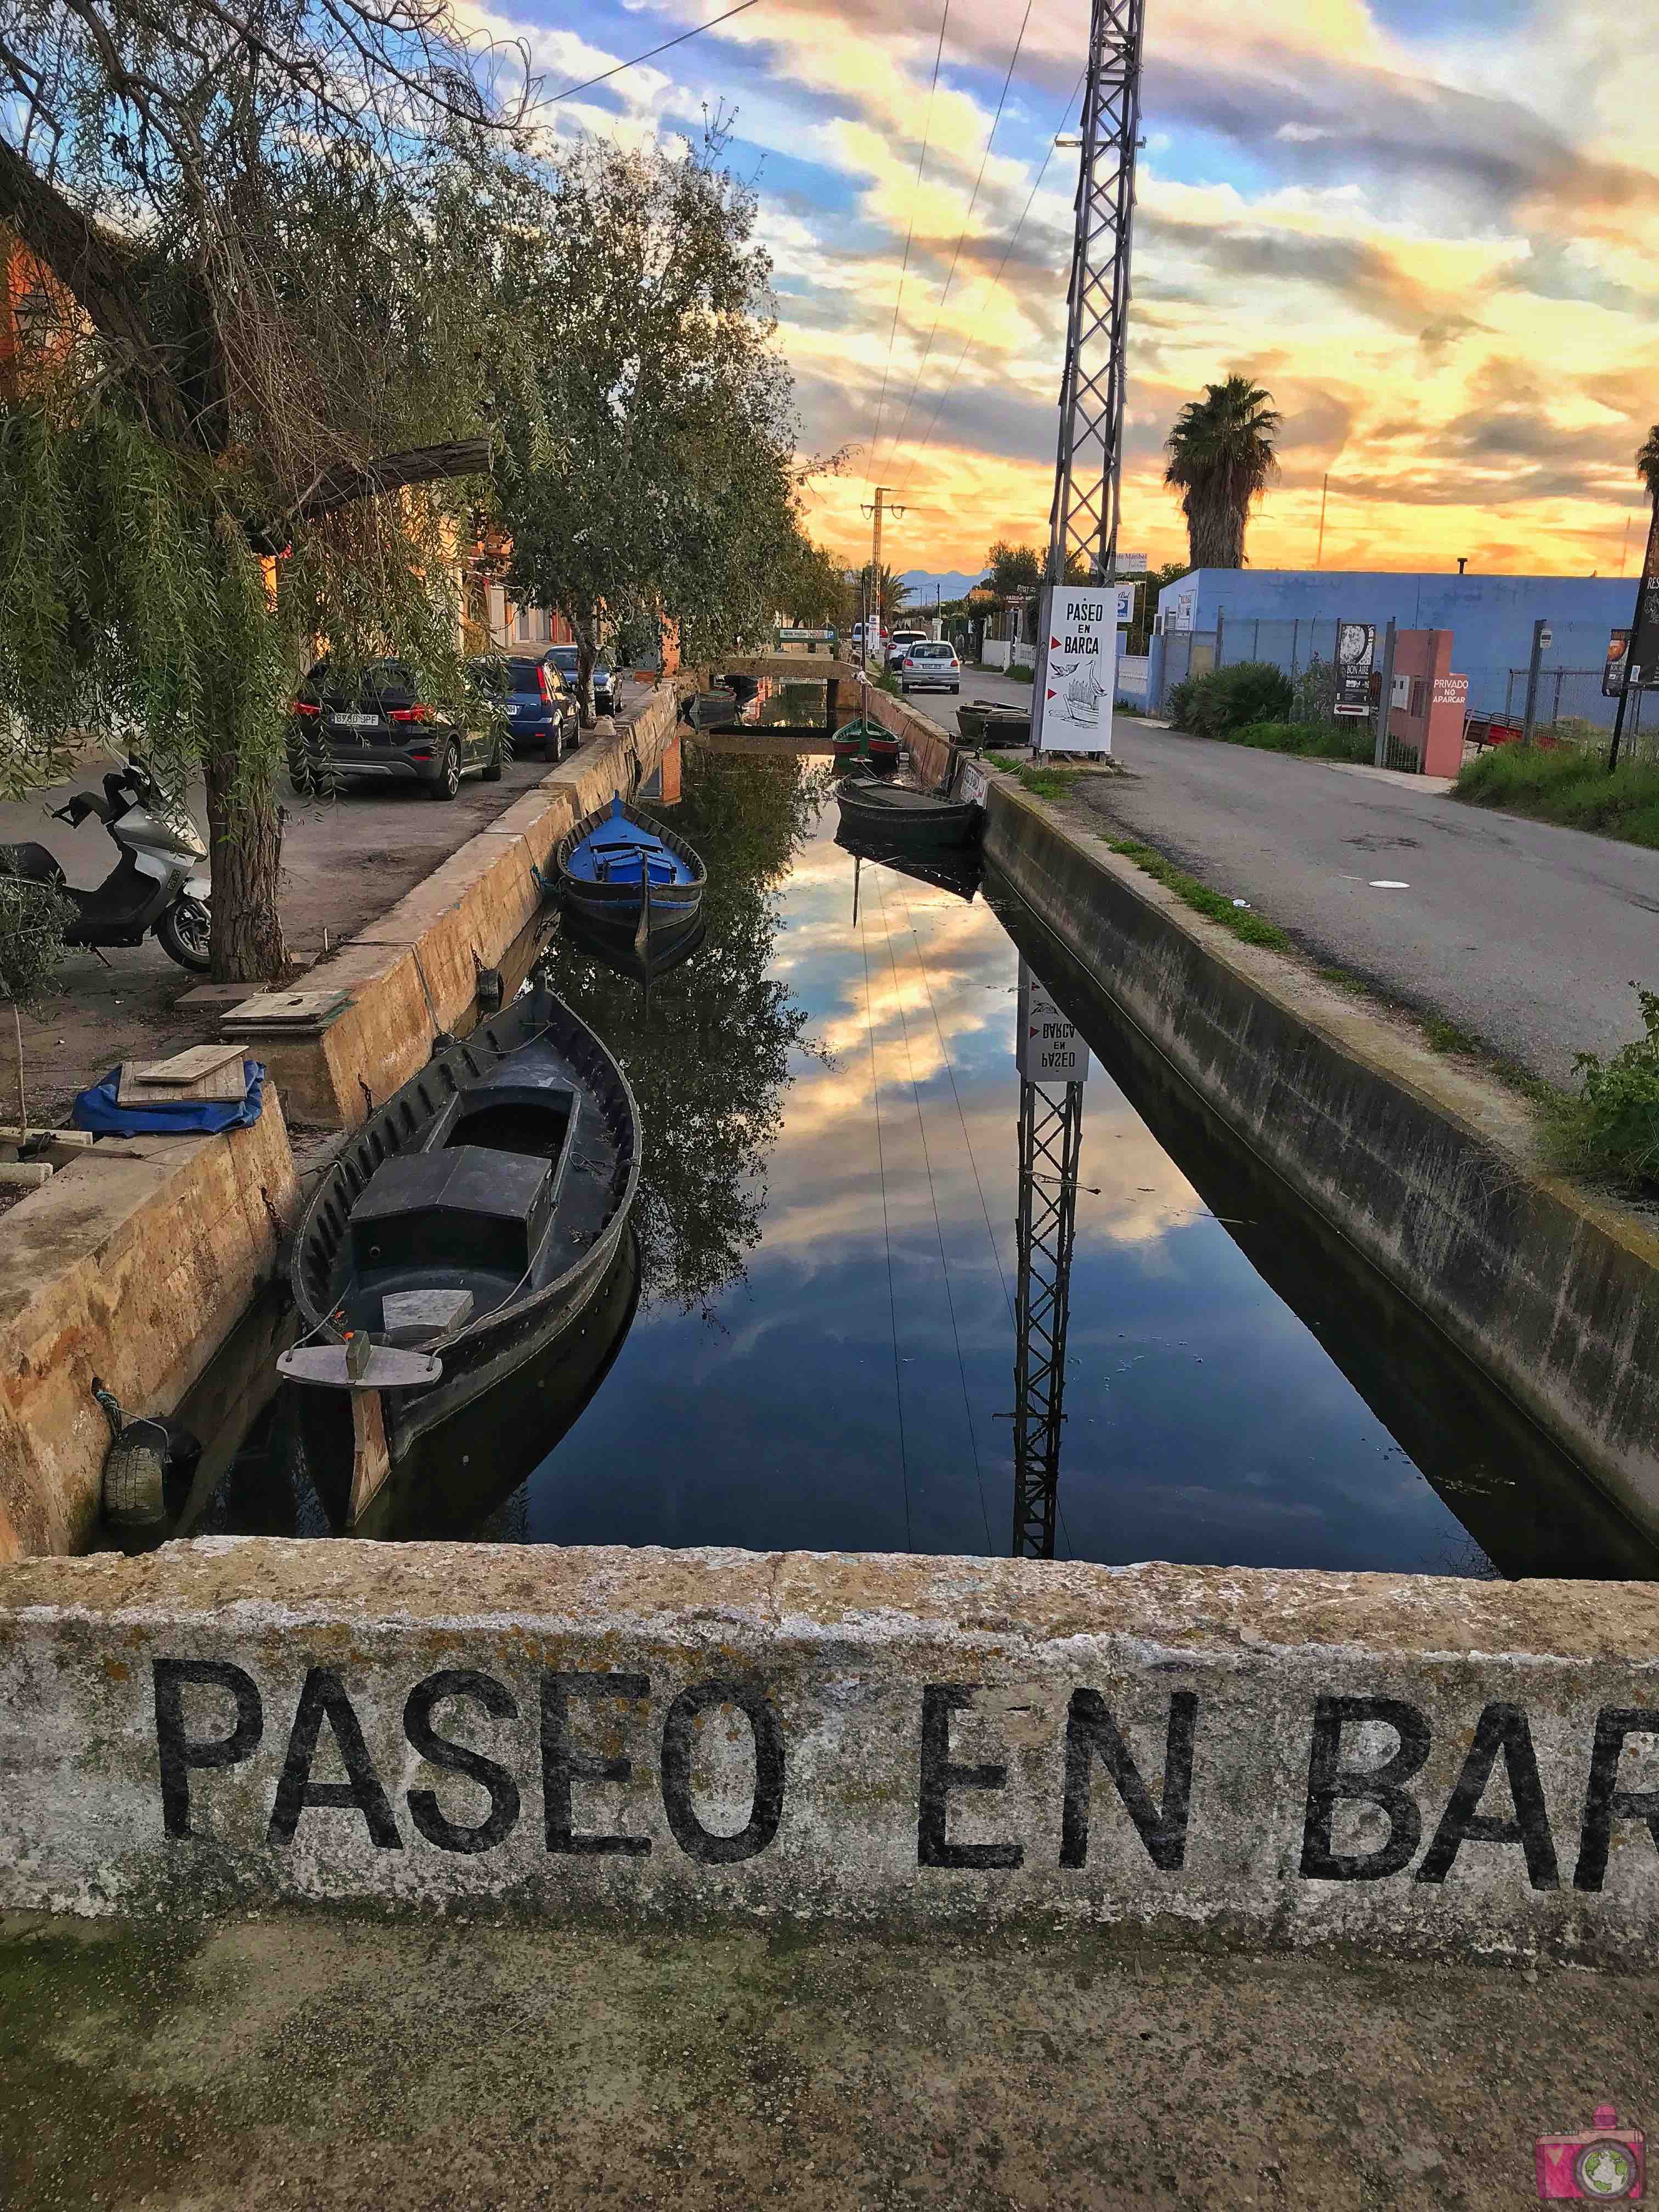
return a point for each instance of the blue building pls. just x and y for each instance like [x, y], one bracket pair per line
[1288, 616]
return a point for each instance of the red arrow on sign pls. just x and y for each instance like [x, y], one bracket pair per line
[1048, 695]
[1054, 641]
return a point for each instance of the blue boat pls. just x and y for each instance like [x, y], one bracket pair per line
[625, 873]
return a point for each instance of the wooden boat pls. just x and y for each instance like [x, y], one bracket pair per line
[615, 945]
[865, 739]
[466, 1225]
[711, 710]
[993, 722]
[956, 869]
[902, 820]
[617, 866]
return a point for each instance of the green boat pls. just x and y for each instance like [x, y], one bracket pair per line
[865, 739]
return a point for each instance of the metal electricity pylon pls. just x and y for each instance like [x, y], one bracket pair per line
[1083, 519]
[1050, 1145]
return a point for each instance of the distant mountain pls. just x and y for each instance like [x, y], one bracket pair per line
[952, 585]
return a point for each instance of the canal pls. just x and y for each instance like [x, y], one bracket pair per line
[811, 1341]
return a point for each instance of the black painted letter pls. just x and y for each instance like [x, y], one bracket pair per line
[457, 1759]
[941, 1774]
[1604, 1801]
[324, 1697]
[177, 1753]
[1090, 1728]
[767, 1809]
[1500, 1728]
[1328, 1782]
[559, 1765]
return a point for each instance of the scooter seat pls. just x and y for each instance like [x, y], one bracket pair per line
[32, 863]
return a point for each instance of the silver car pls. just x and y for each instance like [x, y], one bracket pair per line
[927, 666]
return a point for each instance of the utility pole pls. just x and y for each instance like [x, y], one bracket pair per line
[1050, 1146]
[1541, 638]
[875, 560]
[1083, 521]
[1324, 493]
[1644, 633]
[1385, 698]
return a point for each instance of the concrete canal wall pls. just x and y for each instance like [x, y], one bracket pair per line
[1428, 1765]
[132, 1264]
[1428, 1169]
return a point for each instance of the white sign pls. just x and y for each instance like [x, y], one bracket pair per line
[1126, 602]
[1050, 1049]
[1077, 669]
[1182, 610]
[971, 788]
[1129, 564]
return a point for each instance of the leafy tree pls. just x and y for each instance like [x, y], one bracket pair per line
[894, 594]
[1011, 569]
[649, 459]
[811, 586]
[1221, 461]
[263, 226]
[1647, 463]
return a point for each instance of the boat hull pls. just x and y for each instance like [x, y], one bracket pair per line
[943, 825]
[609, 905]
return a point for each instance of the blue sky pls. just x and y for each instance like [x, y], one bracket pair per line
[1430, 227]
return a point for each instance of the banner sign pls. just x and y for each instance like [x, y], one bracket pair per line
[1356, 648]
[1077, 669]
[1126, 603]
[1644, 671]
[1129, 564]
[1050, 1049]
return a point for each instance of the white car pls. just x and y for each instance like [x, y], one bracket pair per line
[929, 666]
[902, 640]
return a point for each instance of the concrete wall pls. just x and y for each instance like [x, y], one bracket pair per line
[133, 1265]
[1491, 618]
[412, 972]
[1429, 1171]
[1432, 1765]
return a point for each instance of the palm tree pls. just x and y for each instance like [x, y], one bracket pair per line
[1647, 463]
[1221, 461]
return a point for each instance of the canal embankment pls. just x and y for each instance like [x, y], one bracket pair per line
[134, 1263]
[1429, 1167]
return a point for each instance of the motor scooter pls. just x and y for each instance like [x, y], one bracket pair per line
[160, 884]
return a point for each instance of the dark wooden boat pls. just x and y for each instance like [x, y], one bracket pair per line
[899, 819]
[954, 869]
[865, 738]
[992, 722]
[616, 945]
[485, 1200]
[711, 710]
[618, 866]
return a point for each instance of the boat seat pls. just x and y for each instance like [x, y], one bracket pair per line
[465, 1208]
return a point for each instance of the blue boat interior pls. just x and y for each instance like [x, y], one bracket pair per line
[621, 851]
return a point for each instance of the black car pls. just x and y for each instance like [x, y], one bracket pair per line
[606, 689]
[537, 702]
[385, 731]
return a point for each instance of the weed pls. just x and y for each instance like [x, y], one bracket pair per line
[1046, 782]
[1248, 926]
[1445, 1036]
[1344, 981]
[1610, 1130]
[1568, 784]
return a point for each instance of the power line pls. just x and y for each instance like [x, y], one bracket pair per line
[973, 203]
[910, 232]
[967, 346]
[605, 76]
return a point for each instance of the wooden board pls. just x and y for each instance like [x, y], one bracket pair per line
[206, 1070]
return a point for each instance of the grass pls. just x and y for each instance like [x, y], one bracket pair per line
[1569, 785]
[1245, 925]
[1044, 783]
[1018, 672]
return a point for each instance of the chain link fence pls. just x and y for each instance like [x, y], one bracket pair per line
[1571, 708]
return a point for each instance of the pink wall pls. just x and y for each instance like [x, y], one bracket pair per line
[1429, 700]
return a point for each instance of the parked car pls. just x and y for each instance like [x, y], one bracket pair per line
[535, 699]
[606, 690]
[902, 640]
[930, 666]
[384, 731]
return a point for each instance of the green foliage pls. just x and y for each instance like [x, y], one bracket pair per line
[1230, 699]
[1045, 782]
[1020, 672]
[33, 919]
[1337, 741]
[1011, 569]
[1243, 924]
[888, 681]
[1140, 629]
[1610, 1130]
[1221, 461]
[1567, 784]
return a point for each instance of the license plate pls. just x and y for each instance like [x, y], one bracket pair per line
[513, 710]
[355, 721]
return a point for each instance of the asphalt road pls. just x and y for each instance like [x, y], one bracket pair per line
[1527, 936]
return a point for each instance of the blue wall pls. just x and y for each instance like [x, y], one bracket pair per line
[1491, 619]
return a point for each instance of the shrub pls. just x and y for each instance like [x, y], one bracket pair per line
[1020, 672]
[1340, 741]
[1568, 785]
[1179, 703]
[1228, 699]
[1611, 1129]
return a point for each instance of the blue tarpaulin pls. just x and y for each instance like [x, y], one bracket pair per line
[98, 1109]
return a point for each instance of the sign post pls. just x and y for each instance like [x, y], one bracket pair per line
[1641, 658]
[1076, 668]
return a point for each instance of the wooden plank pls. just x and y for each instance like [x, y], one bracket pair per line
[209, 1071]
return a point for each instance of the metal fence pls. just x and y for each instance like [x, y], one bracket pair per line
[1572, 699]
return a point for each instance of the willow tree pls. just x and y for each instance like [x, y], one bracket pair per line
[1221, 461]
[651, 470]
[262, 225]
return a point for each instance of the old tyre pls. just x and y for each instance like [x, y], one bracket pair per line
[492, 766]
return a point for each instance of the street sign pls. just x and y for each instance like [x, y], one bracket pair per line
[1641, 678]
[1126, 603]
[1129, 564]
[971, 788]
[1355, 648]
[1050, 1049]
[1077, 669]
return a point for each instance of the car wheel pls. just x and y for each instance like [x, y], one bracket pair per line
[492, 766]
[184, 934]
[954, 690]
[447, 780]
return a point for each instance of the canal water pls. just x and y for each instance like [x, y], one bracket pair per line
[811, 1343]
